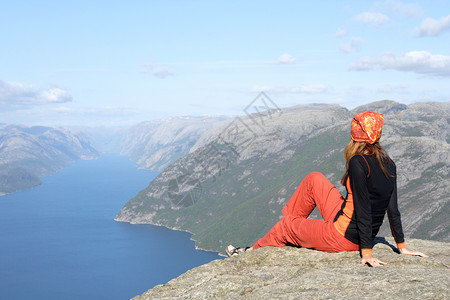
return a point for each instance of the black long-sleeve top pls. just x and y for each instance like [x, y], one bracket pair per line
[369, 195]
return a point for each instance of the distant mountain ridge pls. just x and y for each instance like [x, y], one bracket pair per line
[154, 145]
[232, 185]
[28, 153]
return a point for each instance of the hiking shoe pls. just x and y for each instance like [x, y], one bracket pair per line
[231, 250]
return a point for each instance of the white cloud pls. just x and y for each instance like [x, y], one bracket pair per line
[433, 27]
[160, 71]
[351, 46]
[340, 33]
[55, 95]
[310, 89]
[15, 95]
[286, 59]
[376, 19]
[302, 89]
[421, 62]
[411, 10]
[268, 89]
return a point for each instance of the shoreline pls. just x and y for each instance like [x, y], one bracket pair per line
[25, 189]
[51, 173]
[176, 229]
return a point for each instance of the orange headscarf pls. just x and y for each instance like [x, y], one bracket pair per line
[366, 127]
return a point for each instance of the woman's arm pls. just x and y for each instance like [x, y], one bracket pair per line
[394, 214]
[396, 223]
[363, 210]
[412, 252]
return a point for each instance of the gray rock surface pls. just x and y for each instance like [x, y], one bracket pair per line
[299, 273]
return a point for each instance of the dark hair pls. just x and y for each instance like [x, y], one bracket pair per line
[355, 148]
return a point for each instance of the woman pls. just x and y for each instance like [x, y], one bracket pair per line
[349, 224]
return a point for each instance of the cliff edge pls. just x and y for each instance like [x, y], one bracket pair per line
[299, 273]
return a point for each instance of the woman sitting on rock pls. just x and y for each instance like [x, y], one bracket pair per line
[349, 224]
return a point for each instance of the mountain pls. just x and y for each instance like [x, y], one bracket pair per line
[299, 273]
[104, 139]
[232, 185]
[27, 153]
[156, 144]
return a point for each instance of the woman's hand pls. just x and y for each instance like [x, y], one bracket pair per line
[372, 261]
[411, 252]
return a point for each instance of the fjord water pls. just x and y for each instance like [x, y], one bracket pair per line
[59, 240]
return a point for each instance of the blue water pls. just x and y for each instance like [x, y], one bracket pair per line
[60, 241]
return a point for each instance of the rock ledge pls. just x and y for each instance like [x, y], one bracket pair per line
[299, 273]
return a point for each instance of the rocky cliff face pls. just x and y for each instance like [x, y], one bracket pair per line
[27, 153]
[156, 144]
[299, 273]
[232, 185]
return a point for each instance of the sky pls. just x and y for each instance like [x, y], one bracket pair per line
[117, 63]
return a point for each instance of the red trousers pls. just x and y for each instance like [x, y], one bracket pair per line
[295, 229]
